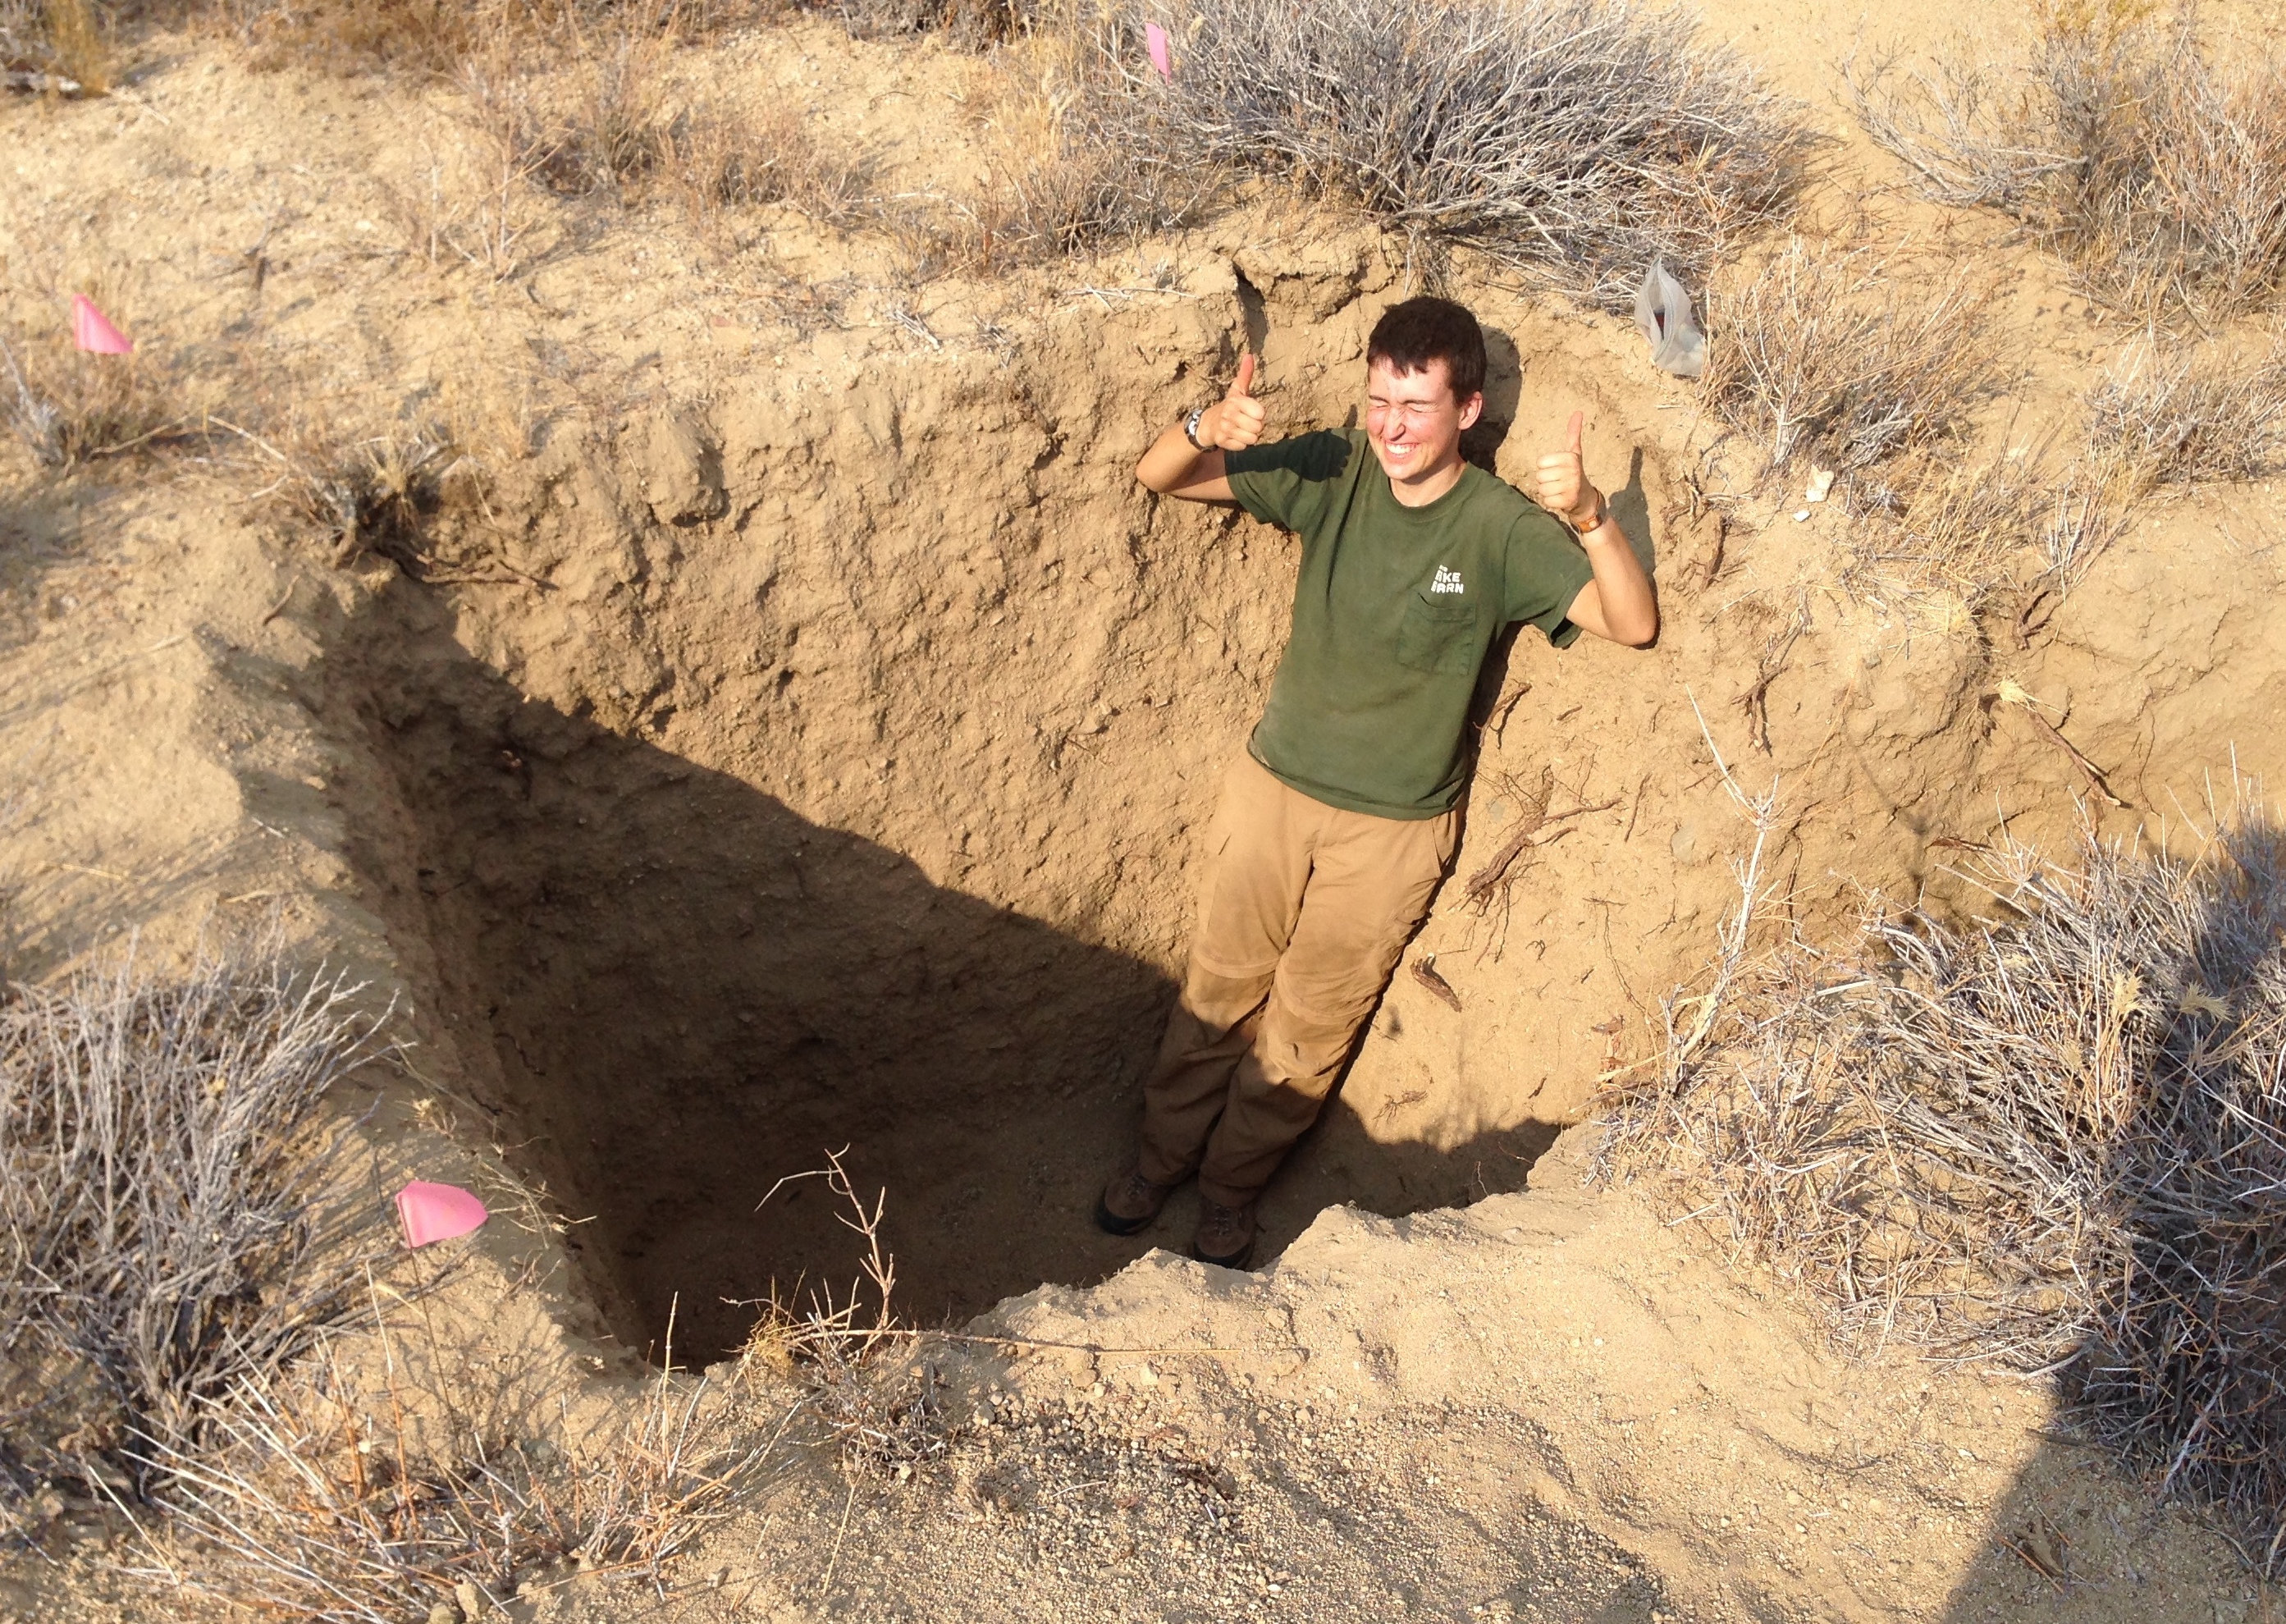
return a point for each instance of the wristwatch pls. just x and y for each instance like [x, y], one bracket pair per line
[1191, 429]
[1603, 512]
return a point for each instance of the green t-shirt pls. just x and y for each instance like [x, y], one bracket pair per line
[1394, 614]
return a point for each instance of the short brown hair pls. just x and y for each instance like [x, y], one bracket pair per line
[1410, 336]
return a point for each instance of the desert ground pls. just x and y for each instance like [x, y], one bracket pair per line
[616, 543]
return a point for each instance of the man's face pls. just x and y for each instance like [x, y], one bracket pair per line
[1413, 421]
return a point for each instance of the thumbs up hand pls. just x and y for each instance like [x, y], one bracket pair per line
[1560, 481]
[1235, 420]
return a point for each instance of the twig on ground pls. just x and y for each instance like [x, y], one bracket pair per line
[2048, 730]
[1776, 651]
[1424, 971]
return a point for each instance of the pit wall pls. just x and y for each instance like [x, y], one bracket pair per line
[838, 785]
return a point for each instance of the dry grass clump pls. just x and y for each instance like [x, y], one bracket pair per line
[431, 36]
[357, 1493]
[714, 156]
[1873, 368]
[2159, 176]
[2187, 416]
[70, 408]
[1073, 172]
[317, 1497]
[1574, 140]
[609, 124]
[617, 131]
[1848, 357]
[2058, 1142]
[376, 493]
[444, 35]
[972, 22]
[166, 1197]
[471, 204]
[56, 45]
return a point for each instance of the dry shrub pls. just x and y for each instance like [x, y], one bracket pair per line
[316, 1497]
[2023, 517]
[1850, 357]
[882, 1414]
[167, 1196]
[1574, 140]
[2057, 1142]
[2186, 415]
[2160, 178]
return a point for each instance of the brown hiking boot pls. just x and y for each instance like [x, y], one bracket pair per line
[1226, 1234]
[1128, 1202]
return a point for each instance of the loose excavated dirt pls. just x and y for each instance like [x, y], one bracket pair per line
[797, 744]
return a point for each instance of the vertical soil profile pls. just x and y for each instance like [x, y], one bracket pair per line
[779, 811]
[693, 992]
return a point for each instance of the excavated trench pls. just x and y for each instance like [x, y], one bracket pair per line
[684, 990]
[837, 792]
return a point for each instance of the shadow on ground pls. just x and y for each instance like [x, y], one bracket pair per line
[682, 992]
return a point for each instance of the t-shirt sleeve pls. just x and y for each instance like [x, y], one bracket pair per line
[1547, 568]
[1283, 482]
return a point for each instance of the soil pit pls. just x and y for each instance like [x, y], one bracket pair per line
[798, 814]
[691, 992]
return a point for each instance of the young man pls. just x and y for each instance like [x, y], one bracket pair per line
[1336, 823]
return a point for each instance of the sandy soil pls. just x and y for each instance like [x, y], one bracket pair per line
[797, 746]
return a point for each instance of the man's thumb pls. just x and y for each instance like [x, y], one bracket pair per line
[1571, 432]
[1245, 375]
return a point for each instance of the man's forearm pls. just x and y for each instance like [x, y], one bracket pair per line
[1630, 607]
[1171, 463]
[1180, 465]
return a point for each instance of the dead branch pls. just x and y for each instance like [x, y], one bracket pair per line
[1755, 700]
[1424, 971]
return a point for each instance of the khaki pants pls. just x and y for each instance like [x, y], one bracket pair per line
[1302, 915]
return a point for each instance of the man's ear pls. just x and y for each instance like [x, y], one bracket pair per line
[1472, 409]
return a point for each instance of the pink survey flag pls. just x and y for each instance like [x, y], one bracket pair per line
[92, 331]
[436, 1213]
[1155, 41]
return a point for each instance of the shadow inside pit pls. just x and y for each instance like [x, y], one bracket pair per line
[692, 992]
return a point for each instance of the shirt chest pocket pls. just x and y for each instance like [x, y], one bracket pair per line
[1439, 635]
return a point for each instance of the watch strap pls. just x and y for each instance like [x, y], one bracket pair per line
[1191, 429]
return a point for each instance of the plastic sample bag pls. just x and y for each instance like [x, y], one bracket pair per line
[1663, 317]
